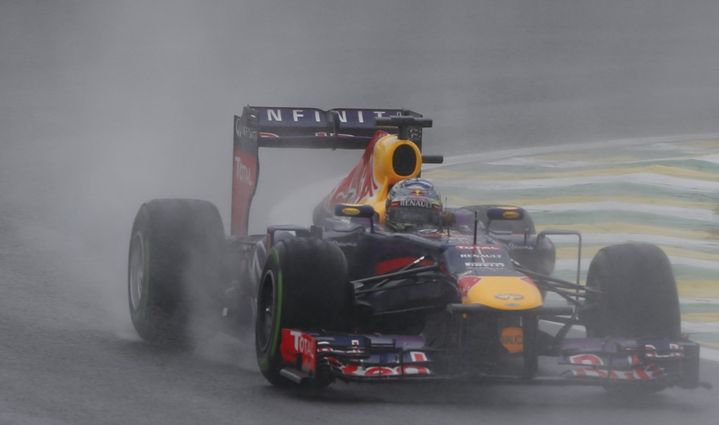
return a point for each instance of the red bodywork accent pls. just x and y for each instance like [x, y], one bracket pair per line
[359, 183]
[466, 283]
[299, 345]
[642, 373]
[395, 264]
[586, 359]
[357, 370]
[244, 183]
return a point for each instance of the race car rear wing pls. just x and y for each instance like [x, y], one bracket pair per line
[283, 127]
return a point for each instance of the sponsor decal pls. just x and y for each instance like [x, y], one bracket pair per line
[416, 370]
[604, 361]
[310, 116]
[486, 265]
[242, 172]
[295, 114]
[418, 356]
[477, 256]
[479, 248]
[413, 202]
[512, 338]
[244, 176]
[238, 127]
[299, 344]
[508, 297]
[242, 131]
[586, 359]
[324, 348]
[669, 351]
[480, 255]
[647, 373]
[383, 371]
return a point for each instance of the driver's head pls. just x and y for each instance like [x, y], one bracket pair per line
[413, 204]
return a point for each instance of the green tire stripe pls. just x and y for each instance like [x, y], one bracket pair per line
[278, 307]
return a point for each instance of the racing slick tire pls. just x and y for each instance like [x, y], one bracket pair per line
[638, 298]
[304, 285]
[174, 259]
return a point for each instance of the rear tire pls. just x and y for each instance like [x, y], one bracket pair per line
[174, 264]
[304, 286]
[638, 300]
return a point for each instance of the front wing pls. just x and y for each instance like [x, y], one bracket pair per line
[588, 361]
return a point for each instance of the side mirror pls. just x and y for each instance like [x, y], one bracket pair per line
[357, 210]
[505, 213]
[354, 210]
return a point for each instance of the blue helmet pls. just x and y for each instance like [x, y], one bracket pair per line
[413, 204]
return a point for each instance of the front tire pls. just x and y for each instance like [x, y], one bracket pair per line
[638, 299]
[638, 294]
[304, 286]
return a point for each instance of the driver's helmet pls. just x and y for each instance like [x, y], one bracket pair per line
[413, 204]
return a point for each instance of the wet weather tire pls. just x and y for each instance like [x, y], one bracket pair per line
[174, 260]
[638, 300]
[303, 286]
[638, 294]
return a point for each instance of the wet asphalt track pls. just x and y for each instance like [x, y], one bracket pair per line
[66, 360]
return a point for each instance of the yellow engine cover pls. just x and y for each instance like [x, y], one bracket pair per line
[370, 180]
[383, 171]
[501, 292]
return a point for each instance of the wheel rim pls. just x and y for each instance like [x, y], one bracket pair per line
[137, 271]
[266, 310]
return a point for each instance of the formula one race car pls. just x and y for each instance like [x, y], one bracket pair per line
[387, 284]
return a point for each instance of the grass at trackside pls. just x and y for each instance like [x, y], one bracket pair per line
[701, 317]
[662, 192]
[698, 288]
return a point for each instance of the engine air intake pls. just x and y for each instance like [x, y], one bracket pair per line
[404, 160]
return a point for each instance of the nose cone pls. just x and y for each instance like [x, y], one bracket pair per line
[501, 292]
